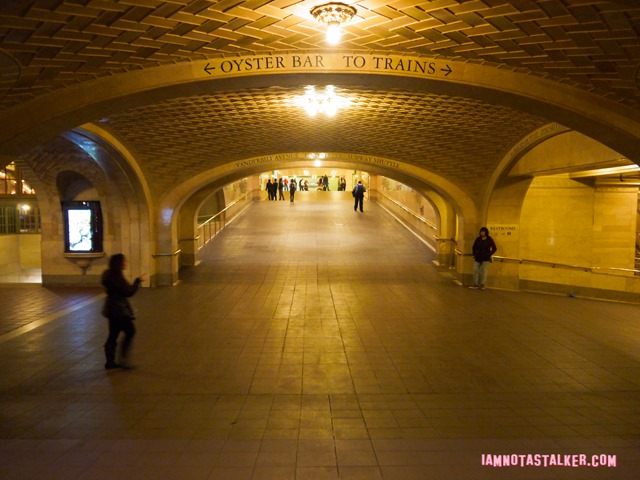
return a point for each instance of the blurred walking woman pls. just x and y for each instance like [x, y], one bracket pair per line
[118, 311]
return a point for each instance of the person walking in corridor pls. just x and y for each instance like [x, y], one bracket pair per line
[292, 190]
[118, 311]
[483, 249]
[268, 189]
[358, 194]
[280, 189]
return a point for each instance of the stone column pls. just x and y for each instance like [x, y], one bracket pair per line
[466, 234]
[167, 253]
[446, 243]
[188, 240]
[503, 222]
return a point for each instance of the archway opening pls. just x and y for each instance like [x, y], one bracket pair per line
[20, 227]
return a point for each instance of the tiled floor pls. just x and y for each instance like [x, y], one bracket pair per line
[28, 306]
[318, 343]
[30, 275]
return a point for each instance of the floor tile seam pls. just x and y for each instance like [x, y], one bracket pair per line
[48, 318]
[567, 346]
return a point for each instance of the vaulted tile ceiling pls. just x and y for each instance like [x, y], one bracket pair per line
[48, 45]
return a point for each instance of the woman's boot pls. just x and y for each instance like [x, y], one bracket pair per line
[110, 354]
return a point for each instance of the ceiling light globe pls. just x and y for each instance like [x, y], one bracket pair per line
[334, 34]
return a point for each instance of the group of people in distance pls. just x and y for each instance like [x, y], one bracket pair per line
[275, 189]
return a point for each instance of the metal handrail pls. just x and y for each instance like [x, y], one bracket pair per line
[168, 254]
[443, 239]
[406, 209]
[589, 269]
[211, 227]
[225, 209]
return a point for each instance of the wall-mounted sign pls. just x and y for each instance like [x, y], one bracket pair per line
[503, 231]
[328, 62]
[348, 157]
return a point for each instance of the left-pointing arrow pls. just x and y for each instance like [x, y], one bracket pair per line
[208, 68]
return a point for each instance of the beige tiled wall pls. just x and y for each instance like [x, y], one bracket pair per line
[572, 223]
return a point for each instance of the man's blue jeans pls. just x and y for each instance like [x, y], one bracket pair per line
[480, 270]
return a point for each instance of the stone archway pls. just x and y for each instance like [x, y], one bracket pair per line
[459, 215]
[83, 163]
[610, 123]
[546, 206]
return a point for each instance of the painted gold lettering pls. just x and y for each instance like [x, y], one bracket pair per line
[358, 61]
[295, 61]
[226, 66]
[419, 66]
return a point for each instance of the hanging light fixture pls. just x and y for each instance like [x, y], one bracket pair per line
[327, 103]
[333, 15]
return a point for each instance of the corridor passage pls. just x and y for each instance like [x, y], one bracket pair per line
[314, 343]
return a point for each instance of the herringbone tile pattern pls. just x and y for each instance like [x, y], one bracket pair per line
[436, 132]
[56, 43]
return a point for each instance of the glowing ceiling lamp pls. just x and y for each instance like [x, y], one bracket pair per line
[317, 158]
[328, 102]
[333, 15]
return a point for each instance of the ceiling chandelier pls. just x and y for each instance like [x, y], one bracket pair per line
[333, 15]
[315, 102]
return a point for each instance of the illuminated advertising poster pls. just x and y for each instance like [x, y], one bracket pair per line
[83, 227]
[80, 231]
